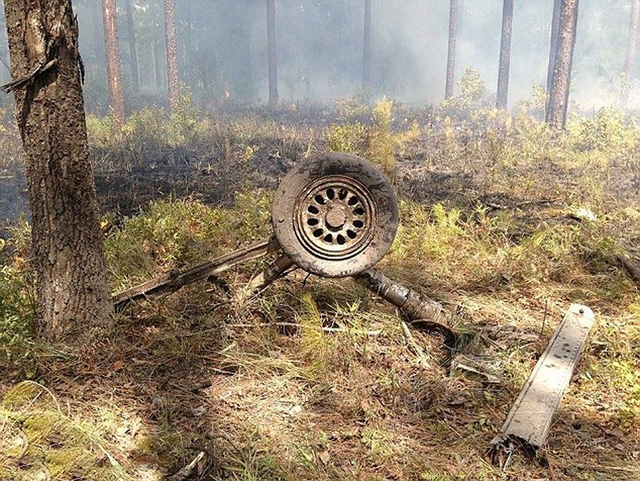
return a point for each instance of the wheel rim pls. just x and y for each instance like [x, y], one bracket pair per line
[335, 217]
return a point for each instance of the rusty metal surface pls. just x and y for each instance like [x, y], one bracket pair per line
[176, 280]
[530, 418]
[335, 215]
[425, 313]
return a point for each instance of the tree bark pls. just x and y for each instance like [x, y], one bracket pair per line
[114, 72]
[553, 42]
[631, 51]
[451, 54]
[73, 298]
[171, 46]
[556, 115]
[505, 55]
[271, 44]
[133, 51]
[366, 63]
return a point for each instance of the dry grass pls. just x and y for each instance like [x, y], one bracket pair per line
[491, 227]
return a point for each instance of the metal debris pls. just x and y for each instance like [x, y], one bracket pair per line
[529, 420]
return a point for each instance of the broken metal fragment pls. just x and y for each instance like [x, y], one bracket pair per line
[424, 313]
[529, 420]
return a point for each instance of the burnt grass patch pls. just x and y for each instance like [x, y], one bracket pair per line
[502, 222]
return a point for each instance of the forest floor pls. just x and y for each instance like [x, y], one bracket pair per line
[503, 222]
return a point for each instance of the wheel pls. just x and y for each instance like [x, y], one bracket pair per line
[335, 215]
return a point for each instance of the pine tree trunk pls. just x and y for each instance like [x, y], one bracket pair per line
[451, 54]
[172, 53]
[631, 51]
[271, 43]
[505, 55]
[114, 72]
[366, 64]
[553, 42]
[556, 115]
[133, 51]
[73, 298]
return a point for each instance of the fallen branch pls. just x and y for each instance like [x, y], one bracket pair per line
[497, 206]
[632, 268]
[293, 324]
[186, 472]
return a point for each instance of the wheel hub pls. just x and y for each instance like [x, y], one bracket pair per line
[334, 217]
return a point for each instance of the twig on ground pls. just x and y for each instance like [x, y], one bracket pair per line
[293, 324]
[411, 341]
[632, 268]
[497, 206]
[544, 318]
[186, 472]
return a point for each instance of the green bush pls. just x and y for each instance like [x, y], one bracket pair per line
[350, 138]
[17, 302]
[177, 233]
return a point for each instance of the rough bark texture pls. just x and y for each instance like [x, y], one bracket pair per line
[114, 72]
[505, 55]
[553, 41]
[172, 53]
[271, 43]
[133, 51]
[73, 298]
[451, 54]
[556, 115]
[631, 51]
[366, 63]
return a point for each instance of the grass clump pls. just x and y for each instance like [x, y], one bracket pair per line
[39, 441]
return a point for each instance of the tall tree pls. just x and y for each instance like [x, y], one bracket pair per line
[553, 42]
[171, 46]
[73, 297]
[271, 45]
[451, 53]
[505, 55]
[632, 45]
[133, 51]
[114, 72]
[366, 63]
[556, 115]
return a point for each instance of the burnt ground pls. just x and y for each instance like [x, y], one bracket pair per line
[194, 372]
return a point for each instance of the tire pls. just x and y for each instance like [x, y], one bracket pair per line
[335, 215]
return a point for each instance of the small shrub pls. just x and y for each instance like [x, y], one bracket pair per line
[17, 302]
[350, 138]
[381, 140]
[472, 89]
